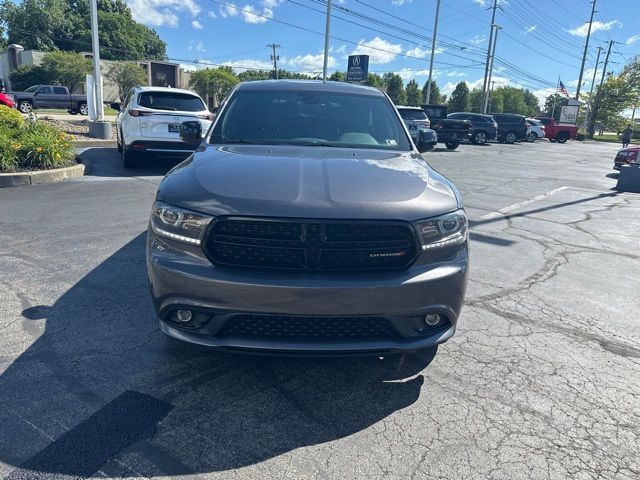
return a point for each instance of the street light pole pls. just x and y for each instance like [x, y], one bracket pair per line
[433, 52]
[97, 80]
[326, 42]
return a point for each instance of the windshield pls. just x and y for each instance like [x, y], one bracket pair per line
[310, 118]
[171, 101]
[411, 114]
[32, 89]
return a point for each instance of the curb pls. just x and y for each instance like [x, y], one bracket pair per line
[25, 179]
[94, 143]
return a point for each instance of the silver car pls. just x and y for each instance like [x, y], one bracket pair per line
[418, 124]
[307, 222]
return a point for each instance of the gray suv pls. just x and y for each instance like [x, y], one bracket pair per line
[307, 222]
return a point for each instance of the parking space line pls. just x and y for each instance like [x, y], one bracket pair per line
[504, 211]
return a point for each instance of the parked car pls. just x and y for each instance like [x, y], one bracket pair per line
[50, 97]
[535, 130]
[482, 128]
[511, 127]
[626, 156]
[7, 100]
[450, 132]
[416, 121]
[306, 222]
[556, 132]
[149, 119]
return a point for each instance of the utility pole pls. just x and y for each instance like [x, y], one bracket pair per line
[593, 82]
[485, 84]
[433, 52]
[275, 57]
[491, 95]
[596, 106]
[326, 42]
[493, 54]
[97, 80]
[555, 98]
[586, 47]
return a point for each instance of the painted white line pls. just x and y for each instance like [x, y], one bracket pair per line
[504, 211]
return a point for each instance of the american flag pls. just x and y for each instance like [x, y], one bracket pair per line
[562, 89]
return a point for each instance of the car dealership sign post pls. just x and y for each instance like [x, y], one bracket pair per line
[358, 68]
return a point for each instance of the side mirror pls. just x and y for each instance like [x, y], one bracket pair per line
[427, 140]
[191, 132]
[115, 106]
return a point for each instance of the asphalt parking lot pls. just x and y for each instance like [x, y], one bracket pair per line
[540, 381]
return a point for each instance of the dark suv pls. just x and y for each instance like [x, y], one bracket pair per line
[306, 221]
[511, 127]
[483, 128]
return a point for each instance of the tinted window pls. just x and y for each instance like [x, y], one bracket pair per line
[59, 90]
[410, 114]
[310, 118]
[32, 89]
[458, 116]
[172, 101]
[478, 118]
[44, 91]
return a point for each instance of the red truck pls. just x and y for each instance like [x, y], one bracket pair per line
[555, 132]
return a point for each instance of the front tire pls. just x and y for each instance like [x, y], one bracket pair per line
[480, 137]
[452, 145]
[84, 109]
[510, 138]
[532, 137]
[25, 106]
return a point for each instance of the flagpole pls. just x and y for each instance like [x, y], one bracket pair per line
[555, 97]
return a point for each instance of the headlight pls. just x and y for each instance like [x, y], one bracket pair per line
[178, 224]
[444, 231]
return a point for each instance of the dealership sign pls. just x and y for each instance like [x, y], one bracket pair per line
[358, 68]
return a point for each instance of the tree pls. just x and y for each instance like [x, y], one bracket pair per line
[395, 88]
[459, 101]
[374, 80]
[214, 83]
[413, 93]
[27, 75]
[66, 25]
[68, 69]
[126, 76]
[436, 97]
[338, 77]
[558, 101]
[475, 101]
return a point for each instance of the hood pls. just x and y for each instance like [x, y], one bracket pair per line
[309, 182]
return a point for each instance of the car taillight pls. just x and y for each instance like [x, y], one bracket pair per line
[139, 113]
[208, 116]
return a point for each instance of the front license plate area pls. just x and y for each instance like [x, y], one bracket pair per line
[174, 128]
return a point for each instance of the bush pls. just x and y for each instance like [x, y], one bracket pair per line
[34, 146]
[10, 118]
[580, 136]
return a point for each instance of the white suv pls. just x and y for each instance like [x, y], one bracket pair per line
[149, 122]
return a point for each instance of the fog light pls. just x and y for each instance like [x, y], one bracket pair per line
[432, 319]
[184, 316]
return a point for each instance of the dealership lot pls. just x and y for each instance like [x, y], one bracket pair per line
[540, 381]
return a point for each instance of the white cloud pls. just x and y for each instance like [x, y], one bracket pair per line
[398, 3]
[422, 53]
[197, 25]
[341, 49]
[387, 51]
[532, 28]
[632, 40]
[158, 13]
[212, 14]
[311, 61]
[197, 46]
[477, 40]
[409, 74]
[582, 30]
[248, 64]
[229, 10]
[455, 73]
[251, 13]
[482, 3]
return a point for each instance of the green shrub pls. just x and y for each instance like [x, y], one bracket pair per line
[10, 118]
[36, 146]
[580, 136]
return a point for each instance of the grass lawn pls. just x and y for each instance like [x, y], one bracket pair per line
[613, 138]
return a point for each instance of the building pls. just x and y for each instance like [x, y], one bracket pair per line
[159, 74]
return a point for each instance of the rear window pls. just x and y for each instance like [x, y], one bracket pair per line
[59, 90]
[410, 114]
[310, 118]
[171, 101]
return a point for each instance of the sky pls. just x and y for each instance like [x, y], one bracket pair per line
[539, 40]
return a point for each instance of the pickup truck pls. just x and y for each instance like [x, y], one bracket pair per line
[50, 97]
[450, 132]
[556, 132]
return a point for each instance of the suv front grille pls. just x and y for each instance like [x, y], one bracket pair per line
[308, 328]
[311, 245]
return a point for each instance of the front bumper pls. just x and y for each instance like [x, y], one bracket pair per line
[182, 277]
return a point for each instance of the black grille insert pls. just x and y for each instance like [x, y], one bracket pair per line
[311, 244]
[308, 328]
